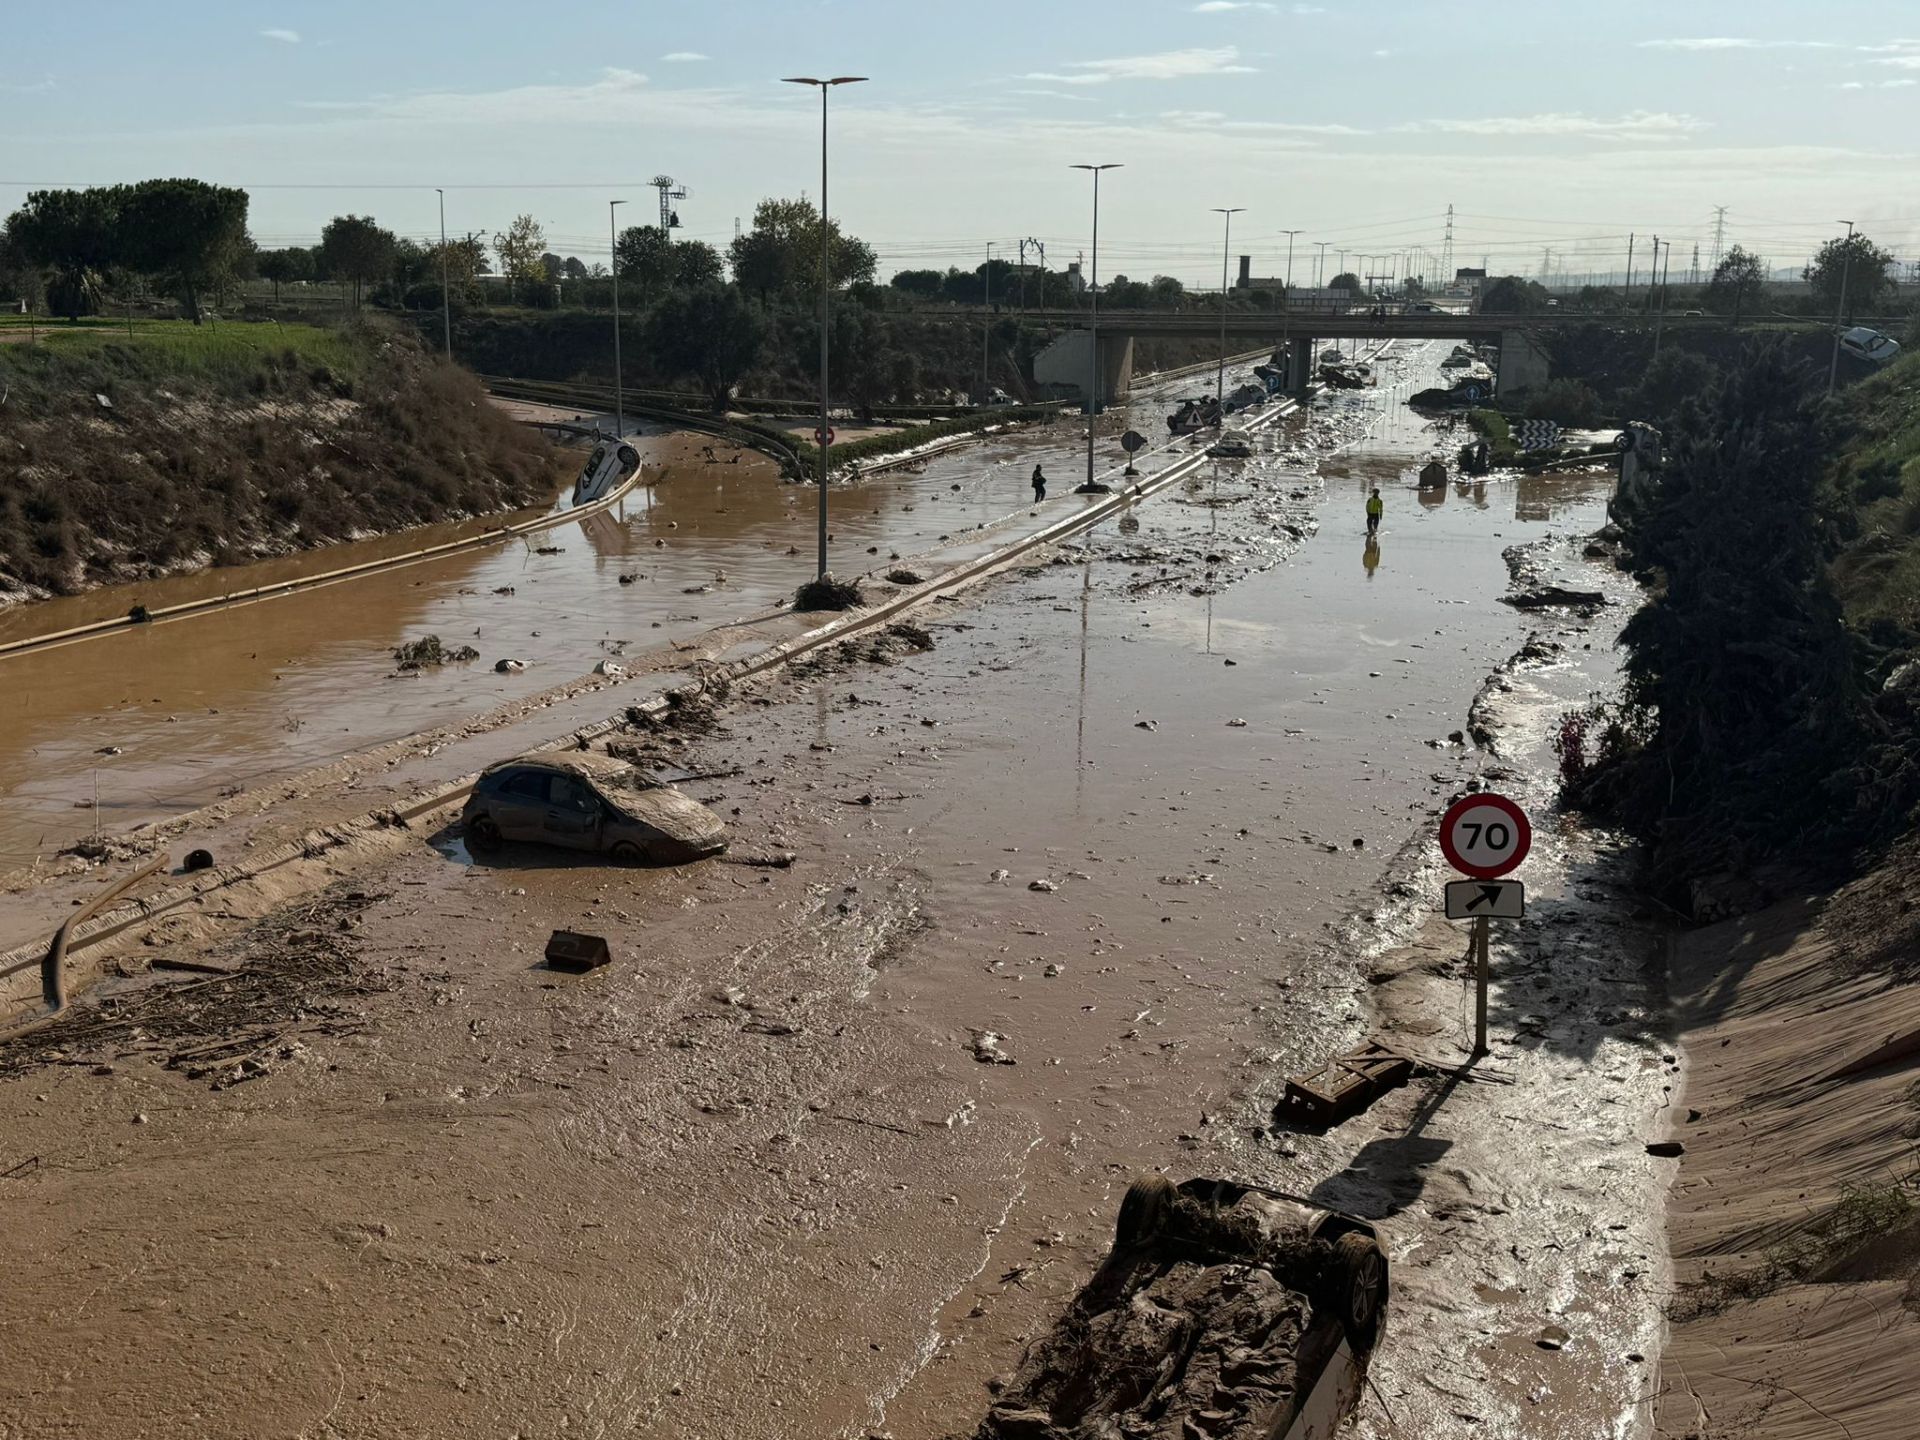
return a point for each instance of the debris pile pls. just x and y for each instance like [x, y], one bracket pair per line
[428, 653]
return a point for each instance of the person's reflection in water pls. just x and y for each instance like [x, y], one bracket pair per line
[1370, 557]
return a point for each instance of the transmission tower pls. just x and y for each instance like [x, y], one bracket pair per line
[670, 191]
[1446, 251]
[1693, 271]
[1719, 232]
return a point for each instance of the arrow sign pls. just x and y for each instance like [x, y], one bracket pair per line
[1491, 899]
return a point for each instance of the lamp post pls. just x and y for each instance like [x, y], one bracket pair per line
[446, 305]
[1840, 316]
[824, 438]
[986, 329]
[1226, 247]
[1290, 234]
[619, 401]
[1093, 331]
[1320, 264]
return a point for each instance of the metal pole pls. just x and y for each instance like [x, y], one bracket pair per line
[1626, 295]
[619, 400]
[986, 329]
[1226, 252]
[1840, 317]
[1093, 324]
[1481, 974]
[446, 304]
[1657, 296]
[825, 437]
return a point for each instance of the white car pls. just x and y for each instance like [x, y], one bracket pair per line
[1869, 345]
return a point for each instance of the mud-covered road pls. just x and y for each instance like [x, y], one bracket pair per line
[827, 1142]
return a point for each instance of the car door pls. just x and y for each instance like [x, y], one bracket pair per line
[573, 814]
[519, 806]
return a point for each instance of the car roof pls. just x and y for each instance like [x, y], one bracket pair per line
[587, 764]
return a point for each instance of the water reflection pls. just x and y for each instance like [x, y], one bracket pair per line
[1370, 556]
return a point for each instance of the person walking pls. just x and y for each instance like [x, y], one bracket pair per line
[1376, 507]
[1039, 485]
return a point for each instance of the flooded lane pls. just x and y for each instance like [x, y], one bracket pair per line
[159, 720]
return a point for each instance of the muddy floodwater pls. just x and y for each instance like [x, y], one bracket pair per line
[153, 721]
[1072, 891]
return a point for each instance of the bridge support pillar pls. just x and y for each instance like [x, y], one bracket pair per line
[1064, 365]
[1523, 363]
[1295, 358]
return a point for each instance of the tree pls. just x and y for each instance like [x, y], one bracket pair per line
[712, 334]
[699, 265]
[521, 247]
[1509, 295]
[283, 267]
[644, 256]
[1741, 655]
[184, 233]
[1167, 292]
[781, 253]
[924, 283]
[1571, 403]
[574, 268]
[1347, 280]
[356, 249]
[73, 236]
[1738, 281]
[1862, 266]
[1675, 377]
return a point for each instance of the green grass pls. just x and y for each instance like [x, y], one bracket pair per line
[1878, 576]
[224, 354]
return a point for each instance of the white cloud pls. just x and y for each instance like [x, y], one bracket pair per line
[683, 57]
[1733, 42]
[596, 102]
[38, 87]
[1636, 125]
[1220, 7]
[1171, 65]
[1309, 9]
[1900, 84]
[285, 37]
[1218, 120]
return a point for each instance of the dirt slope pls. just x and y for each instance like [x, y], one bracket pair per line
[1795, 1214]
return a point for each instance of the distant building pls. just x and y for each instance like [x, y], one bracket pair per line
[1076, 281]
[1470, 279]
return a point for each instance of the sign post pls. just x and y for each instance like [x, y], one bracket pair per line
[1484, 836]
[1132, 441]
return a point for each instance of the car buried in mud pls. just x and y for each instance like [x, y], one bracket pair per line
[590, 802]
[1223, 1310]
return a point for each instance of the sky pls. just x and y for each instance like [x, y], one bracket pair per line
[1548, 126]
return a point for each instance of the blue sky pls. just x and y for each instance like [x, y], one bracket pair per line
[1545, 124]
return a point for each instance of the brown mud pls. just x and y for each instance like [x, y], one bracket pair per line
[1147, 815]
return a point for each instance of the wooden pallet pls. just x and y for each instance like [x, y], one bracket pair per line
[1344, 1086]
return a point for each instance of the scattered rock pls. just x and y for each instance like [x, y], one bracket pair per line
[906, 577]
[1043, 885]
[985, 1047]
[1666, 1149]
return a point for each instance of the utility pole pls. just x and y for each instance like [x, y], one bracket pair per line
[1226, 248]
[986, 327]
[1626, 295]
[1840, 318]
[1320, 265]
[446, 309]
[1659, 279]
[1093, 334]
[619, 399]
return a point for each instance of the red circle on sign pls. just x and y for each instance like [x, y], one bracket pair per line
[823, 437]
[1514, 815]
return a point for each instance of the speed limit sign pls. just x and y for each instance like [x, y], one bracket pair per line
[1485, 836]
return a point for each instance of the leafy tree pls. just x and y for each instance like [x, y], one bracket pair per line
[1739, 280]
[1741, 655]
[924, 283]
[184, 233]
[1864, 268]
[1675, 377]
[1347, 280]
[1598, 297]
[644, 255]
[699, 265]
[1167, 291]
[465, 259]
[574, 268]
[283, 267]
[73, 236]
[354, 248]
[712, 334]
[1510, 295]
[521, 248]
[781, 253]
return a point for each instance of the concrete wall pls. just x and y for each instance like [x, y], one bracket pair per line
[1523, 363]
[1064, 364]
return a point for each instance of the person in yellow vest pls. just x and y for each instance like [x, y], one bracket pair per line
[1376, 507]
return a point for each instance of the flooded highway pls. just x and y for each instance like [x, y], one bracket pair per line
[1147, 814]
[156, 720]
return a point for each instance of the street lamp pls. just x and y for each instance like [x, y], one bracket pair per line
[446, 307]
[1840, 317]
[1226, 246]
[986, 329]
[1320, 264]
[824, 438]
[619, 401]
[1290, 234]
[1093, 329]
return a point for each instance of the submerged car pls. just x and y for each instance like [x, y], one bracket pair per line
[590, 802]
[1223, 1309]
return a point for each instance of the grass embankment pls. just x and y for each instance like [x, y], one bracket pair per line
[1877, 576]
[125, 457]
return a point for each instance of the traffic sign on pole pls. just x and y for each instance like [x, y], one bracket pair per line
[1485, 835]
[1133, 440]
[822, 437]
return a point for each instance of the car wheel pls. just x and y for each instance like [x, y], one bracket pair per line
[483, 833]
[627, 853]
[1144, 1212]
[1360, 1271]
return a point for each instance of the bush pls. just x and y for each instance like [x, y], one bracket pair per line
[1565, 402]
